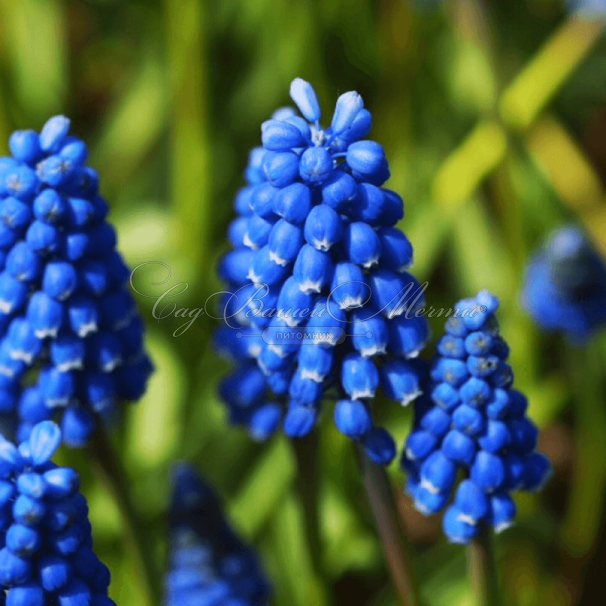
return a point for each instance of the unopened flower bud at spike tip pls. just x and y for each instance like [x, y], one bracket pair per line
[303, 94]
[346, 110]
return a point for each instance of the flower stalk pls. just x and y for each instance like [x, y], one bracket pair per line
[112, 474]
[306, 453]
[483, 570]
[395, 545]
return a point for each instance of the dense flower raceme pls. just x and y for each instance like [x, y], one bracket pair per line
[316, 240]
[472, 423]
[565, 285]
[68, 324]
[46, 557]
[208, 564]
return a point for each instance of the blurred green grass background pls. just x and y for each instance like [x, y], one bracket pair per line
[493, 116]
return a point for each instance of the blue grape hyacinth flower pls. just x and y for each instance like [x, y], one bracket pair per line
[322, 304]
[208, 564]
[69, 328]
[46, 554]
[471, 426]
[565, 286]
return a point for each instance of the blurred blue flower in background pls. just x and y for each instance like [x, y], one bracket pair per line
[208, 564]
[472, 419]
[46, 554]
[565, 285]
[69, 328]
[588, 8]
[316, 240]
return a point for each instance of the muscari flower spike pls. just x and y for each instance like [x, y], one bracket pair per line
[208, 564]
[68, 324]
[46, 555]
[315, 239]
[565, 286]
[472, 422]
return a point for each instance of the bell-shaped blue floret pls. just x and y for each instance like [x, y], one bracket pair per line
[537, 470]
[488, 471]
[313, 269]
[362, 245]
[437, 421]
[340, 191]
[368, 332]
[285, 242]
[502, 511]
[471, 502]
[396, 249]
[420, 444]
[438, 473]
[359, 376]
[365, 157]
[379, 446]
[408, 335]
[323, 227]
[293, 303]
[459, 447]
[299, 420]
[316, 165]
[293, 203]
[451, 371]
[280, 168]
[352, 418]
[315, 362]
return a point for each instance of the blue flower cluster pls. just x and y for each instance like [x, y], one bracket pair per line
[472, 423]
[321, 297]
[46, 555]
[209, 565]
[68, 324]
[565, 285]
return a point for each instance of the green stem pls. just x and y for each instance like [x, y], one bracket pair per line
[483, 570]
[191, 179]
[395, 545]
[111, 471]
[581, 527]
[306, 452]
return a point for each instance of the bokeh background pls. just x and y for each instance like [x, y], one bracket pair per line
[493, 116]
